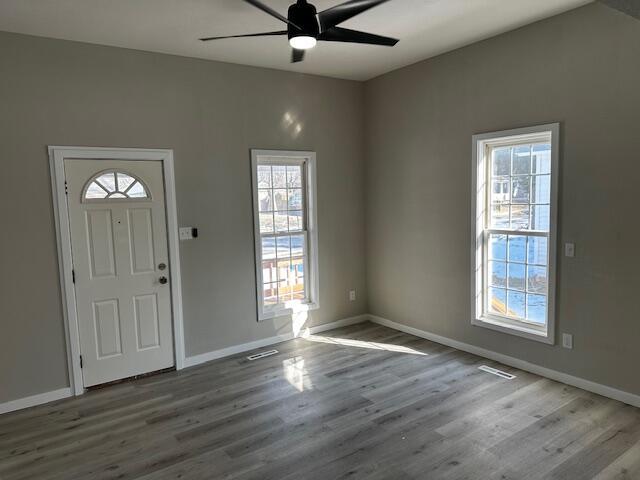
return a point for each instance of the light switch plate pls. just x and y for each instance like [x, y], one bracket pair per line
[567, 340]
[186, 233]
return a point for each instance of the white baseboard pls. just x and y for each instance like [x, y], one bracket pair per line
[245, 347]
[34, 400]
[604, 390]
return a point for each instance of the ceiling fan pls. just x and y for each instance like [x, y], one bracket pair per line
[305, 26]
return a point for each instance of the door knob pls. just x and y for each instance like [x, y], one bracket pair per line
[163, 280]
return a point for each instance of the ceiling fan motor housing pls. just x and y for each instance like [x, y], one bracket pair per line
[304, 15]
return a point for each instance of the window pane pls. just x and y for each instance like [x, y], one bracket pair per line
[295, 199]
[516, 304]
[269, 271]
[516, 276]
[265, 201]
[117, 195]
[522, 160]
[124, 181]
[520, 189]
[297, 279]
[499, 216]
[294, 176]
[500, 190]
[537, 279]
[295, 221]
[283, 270]
[268, 248]
[284, 292]
[284, 247]
[95, 191]
[501, 161]
[537, 309]
[520, 217]
[498, 300]
[497, 247]
[284, 288]
[279, 176]
[541, 158]
[281, 224]
[540, 217]
[498, 274]
[270, 294]
[108, 180]
[280, 199]
[537, 250]
[517, 246]
[137, 191]
[266, 223]
[264, 176]
[297, 245]
[541, 189]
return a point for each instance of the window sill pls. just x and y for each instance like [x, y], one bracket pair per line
[287, 311]
[520, 330]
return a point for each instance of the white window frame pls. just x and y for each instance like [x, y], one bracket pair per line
[308, 160]
[479, 250]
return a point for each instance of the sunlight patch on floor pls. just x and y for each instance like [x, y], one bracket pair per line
[349, 342]
[295, 373]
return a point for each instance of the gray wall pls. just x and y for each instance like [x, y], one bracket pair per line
[581, 69]
[63, 93]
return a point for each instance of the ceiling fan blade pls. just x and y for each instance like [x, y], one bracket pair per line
[265, 34]
[337, 34]
[272, 12]
[297, 55]
[340, 13]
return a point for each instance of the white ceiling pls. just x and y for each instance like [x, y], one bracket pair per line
[425, 28]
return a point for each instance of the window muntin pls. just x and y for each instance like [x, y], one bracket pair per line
[283, 241]
[114, 184]
[514, 231]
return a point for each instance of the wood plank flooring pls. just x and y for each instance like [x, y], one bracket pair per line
[361, 402]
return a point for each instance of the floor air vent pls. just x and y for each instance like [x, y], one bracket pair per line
[257, 356]
[499, 373]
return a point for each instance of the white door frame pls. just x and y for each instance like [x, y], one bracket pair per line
[57, 156]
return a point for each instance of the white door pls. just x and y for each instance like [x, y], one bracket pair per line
[121, 267]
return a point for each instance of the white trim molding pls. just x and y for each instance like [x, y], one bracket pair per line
[264, 342]
[57, 156]
[604, 390]
[34, 400]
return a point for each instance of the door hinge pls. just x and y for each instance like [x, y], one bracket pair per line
[81, 363]
[66, 188]
[73, 276]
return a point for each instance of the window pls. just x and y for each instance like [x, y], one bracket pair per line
[114, 185]
[285, 232]
[515, 193]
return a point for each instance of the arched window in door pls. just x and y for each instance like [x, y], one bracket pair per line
[115, 185]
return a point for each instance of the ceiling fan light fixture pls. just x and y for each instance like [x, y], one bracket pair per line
[302, 42]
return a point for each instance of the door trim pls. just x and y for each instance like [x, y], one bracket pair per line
[57, 156]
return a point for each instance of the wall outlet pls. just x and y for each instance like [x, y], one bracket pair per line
[567, 340]
[570, 250]
[352, 296]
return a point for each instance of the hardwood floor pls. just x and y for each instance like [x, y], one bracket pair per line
[359, 402]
